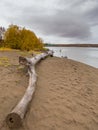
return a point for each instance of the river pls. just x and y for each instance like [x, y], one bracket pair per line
[87, 55]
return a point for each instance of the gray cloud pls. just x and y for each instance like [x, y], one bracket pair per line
[59, 18]
[92, 15]
[62, 23]
[71, 3]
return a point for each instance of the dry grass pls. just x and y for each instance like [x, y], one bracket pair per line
[5, 49]
[4, 61]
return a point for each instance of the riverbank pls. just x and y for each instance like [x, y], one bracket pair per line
[66, 96]
[87, 55]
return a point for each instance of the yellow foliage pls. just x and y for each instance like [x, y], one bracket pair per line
[5, 49]
[21, 38]
[4, 61]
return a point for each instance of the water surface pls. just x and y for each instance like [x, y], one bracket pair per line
[87, 55]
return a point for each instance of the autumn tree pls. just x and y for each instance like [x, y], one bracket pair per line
[29, 40]
[39, 43]
[12, 37]
[21, 38]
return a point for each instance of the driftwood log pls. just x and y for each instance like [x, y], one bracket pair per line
[15, 118]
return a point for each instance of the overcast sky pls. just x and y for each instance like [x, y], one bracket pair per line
[55, 21]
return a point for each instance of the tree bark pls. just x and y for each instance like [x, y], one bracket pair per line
[15, 118]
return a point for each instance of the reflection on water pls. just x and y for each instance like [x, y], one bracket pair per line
[86, 55]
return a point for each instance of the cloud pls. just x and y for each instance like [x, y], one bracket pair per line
[63, 24]
[67, 22]
[92, 15]
[58, 22]
[59, 18]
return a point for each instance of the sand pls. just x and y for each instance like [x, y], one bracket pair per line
[66, 96]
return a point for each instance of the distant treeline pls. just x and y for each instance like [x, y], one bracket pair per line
[71, 45]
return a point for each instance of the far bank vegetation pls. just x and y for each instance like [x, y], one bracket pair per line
[16, 37]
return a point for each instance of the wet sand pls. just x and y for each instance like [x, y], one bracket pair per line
[66, 96]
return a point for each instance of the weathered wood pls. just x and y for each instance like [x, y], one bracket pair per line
[15, 117]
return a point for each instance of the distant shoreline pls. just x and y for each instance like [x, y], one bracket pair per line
[71, 45]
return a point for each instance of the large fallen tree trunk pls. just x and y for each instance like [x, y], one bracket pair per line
[15, 117]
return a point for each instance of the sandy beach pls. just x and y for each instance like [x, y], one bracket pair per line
[66, 96]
